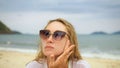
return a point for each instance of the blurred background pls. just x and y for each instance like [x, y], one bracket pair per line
[97, 24]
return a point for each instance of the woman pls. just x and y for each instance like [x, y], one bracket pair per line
[58, 47]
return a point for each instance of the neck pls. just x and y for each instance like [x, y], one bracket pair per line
[65, 65]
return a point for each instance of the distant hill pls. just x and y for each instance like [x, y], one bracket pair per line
[118, 32]
[97, 33]
[104, 33]
[5, 30]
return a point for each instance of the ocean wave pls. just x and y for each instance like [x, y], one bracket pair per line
[19, 50]
[101, 55]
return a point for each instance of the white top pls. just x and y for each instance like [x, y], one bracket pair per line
[74, 64]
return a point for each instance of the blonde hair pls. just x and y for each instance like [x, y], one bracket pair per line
[72, 37]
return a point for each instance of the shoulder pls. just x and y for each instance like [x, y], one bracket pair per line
[81, 64]
[34, 64]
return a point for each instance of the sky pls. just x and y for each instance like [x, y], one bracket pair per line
[87, 16]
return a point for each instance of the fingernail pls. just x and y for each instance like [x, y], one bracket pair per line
[52, 55]
[73, 45]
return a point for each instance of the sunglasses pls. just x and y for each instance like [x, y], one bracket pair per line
[57, 35]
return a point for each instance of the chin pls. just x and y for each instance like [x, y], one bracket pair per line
[48, 53]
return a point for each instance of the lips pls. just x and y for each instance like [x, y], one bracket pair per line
[50, 47]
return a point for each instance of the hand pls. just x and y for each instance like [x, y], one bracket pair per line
[62, 60]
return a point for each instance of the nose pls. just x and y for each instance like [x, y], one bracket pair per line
[50, 39]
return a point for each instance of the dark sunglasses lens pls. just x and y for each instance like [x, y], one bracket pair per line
[44, 34]
[58, 35]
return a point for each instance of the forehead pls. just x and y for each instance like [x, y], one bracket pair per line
[53, 26]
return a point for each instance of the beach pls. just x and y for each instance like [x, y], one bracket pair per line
[15, 59]
[100, 51]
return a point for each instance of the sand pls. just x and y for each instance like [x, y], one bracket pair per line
[14, 59]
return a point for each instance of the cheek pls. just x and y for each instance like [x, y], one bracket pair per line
[43, 46]
[59, 48]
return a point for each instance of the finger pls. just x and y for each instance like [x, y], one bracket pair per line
[69, 54]
[67, 44]
[69, 50]
[52, 58]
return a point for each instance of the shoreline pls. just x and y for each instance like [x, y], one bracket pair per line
[15, 59]
[87, 55]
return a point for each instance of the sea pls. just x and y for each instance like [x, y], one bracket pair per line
[93, 46]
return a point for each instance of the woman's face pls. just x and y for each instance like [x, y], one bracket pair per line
[50, 46]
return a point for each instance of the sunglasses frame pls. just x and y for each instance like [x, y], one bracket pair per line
[55, 36]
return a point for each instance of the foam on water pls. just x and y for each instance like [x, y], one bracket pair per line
[19, 50]
[102, 55]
